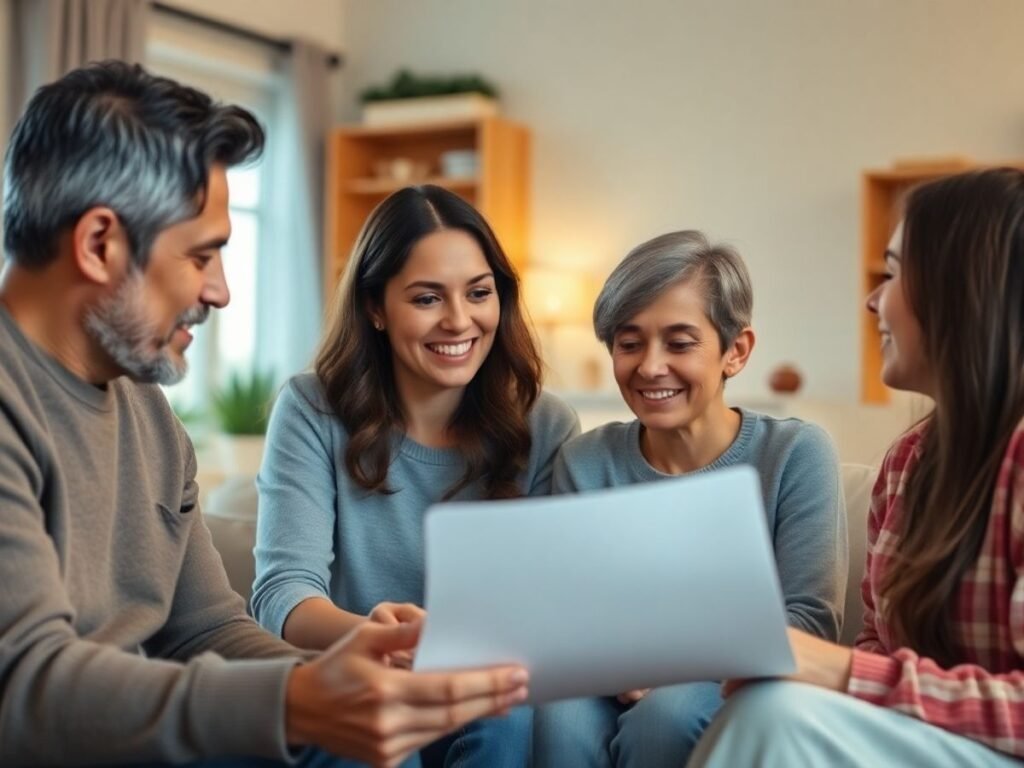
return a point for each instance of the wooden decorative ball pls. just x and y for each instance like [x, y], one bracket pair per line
[785, 379]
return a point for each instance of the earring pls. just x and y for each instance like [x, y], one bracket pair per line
[378, 325]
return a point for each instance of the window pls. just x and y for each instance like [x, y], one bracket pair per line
[244, 73]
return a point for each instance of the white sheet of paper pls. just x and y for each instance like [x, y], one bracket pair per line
[604, 592]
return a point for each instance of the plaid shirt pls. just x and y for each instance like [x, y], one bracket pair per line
[983, 698]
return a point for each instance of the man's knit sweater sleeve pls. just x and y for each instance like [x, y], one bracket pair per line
[67, 700]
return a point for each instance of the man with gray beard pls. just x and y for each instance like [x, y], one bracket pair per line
[120, 639]
[120, 326]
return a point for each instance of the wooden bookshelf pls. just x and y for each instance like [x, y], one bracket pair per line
[499, 190]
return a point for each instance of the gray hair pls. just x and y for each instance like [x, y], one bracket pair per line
[653, 267]
[111, 134]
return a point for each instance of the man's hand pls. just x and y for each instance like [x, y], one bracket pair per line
[398, 613]
[349, 702]
[818, 662]
[632, 697]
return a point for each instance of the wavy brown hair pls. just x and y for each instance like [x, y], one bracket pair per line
[963, 271]
[354, 362]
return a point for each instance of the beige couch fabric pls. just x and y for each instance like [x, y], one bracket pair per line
[230, 514]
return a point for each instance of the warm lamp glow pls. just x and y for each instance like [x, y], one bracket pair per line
[560, 301]
[558, 296]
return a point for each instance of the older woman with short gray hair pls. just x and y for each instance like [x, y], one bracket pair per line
[675, 316]
[670, 259]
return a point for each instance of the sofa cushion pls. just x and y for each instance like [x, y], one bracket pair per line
[230, 514]
[858, 480]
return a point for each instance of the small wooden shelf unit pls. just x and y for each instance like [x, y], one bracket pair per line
[499, 191]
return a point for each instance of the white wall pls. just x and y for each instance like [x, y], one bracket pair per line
[750, 120]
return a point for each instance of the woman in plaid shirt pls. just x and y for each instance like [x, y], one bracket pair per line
[937, 675]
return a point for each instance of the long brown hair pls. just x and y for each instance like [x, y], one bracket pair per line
[354, 362]
[963, 272]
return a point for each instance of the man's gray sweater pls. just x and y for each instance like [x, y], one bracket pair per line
[120, 639]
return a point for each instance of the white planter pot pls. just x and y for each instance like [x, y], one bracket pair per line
[430, 109]
[238, 454]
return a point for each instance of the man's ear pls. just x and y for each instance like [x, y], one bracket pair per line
[100, 246]
[738, 354]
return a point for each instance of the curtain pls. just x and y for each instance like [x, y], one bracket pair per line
[52, 37]
[289, 285]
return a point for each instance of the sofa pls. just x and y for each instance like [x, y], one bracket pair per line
[858, 480]
[230, 514]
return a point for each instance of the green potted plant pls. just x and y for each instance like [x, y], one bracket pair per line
[241, 409]
[424, 98]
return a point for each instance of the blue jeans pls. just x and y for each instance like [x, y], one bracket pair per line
[308, 758]
[496, 742]
[659, 730]
[781, 724]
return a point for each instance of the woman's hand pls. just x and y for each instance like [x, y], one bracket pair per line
[632, 697]
[398, 613]
[818, 662]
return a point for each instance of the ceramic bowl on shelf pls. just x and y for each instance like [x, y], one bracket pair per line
[401, 169]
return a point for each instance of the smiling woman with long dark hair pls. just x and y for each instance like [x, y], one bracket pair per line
[427, 386]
